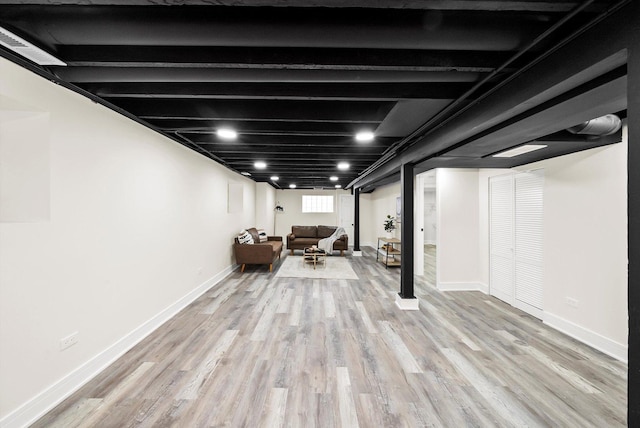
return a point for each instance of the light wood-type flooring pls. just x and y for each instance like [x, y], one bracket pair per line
[256, 351]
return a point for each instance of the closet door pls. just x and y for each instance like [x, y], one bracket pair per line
[529, 241]
[515, 239]
[501, 256]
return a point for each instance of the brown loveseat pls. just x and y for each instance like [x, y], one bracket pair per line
[302, 237]
[258, 253]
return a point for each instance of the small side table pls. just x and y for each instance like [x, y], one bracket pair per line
[314, 255]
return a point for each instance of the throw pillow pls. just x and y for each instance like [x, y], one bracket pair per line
[263, 235]
[245, 238]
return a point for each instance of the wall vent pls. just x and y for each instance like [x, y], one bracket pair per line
[26, 49]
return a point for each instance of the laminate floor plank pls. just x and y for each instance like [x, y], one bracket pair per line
[261, 351]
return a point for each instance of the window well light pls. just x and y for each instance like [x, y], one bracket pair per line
[260, 165]
[292, 186]
[519, 150]
[333, 178]
[227, 134]
[274, 178]
[364, 136]
[343, 165]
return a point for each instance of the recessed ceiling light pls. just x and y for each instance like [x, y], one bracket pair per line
[337, 186]
[292, 186]
[245, 173]
[274, 178]
[343, 165]
[227, 134]
[519, 150]
[333, 178]
[364, 136]
[260, 165]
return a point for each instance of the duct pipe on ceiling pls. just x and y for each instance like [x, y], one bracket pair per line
[600, 126]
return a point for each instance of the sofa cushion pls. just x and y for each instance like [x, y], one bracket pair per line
[263, 235]
[326, 231]
[245, 238]
[254, 234]
[306, 242]
[304, 231]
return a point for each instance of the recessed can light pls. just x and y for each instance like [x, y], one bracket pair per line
[364, 136]
[274, 178]
[343, 165]
[227, 134]
[292, 186]
[333, 178]
[260, 165]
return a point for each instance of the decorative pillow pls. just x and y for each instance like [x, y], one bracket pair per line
[245, 238]
[263, 235]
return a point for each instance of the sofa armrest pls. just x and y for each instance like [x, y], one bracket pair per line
[345, 238]
[253, 253]
[290, 237]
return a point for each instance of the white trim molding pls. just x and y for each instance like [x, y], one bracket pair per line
[463, 286]
[603, 344]
[39, 405]
[407, 304]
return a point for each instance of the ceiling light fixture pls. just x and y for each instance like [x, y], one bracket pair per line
[26, 49]
[519, 150]
[292, 186]
[364, 136]
[260, 165]
[245, 173]
[274, 178]
[343, 165]
[333, 178]
[227, 134]
[337, 186]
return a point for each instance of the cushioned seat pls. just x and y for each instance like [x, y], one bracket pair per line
[302, 237]
[257, 253]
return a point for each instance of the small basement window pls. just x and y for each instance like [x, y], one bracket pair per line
[317, 204]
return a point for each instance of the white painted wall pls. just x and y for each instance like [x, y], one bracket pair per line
[374, 208]
[457, 262]
[265, 204]
[291, 201]
[585, 241]
[136, 223]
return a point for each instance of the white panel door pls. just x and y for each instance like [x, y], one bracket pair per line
[528, 231]
[347, 215]
[501, 245]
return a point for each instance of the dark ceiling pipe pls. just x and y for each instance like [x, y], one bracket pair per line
[436, 122]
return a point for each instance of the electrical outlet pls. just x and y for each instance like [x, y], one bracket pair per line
[68, 341]
[571, 302]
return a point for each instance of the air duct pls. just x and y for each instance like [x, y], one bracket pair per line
[600, 126]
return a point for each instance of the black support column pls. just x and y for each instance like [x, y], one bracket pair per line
[356, 222]
[633, 189]
[406, 299]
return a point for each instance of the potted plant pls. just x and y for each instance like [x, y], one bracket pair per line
[389, 225]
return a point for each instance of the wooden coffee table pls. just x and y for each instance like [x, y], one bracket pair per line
[314, 256]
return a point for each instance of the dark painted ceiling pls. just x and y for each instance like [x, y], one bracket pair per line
[298, 81]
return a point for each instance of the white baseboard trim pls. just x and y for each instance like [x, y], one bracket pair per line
[36, 407]
[603, 344]
[407, 304]
[463, 286]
